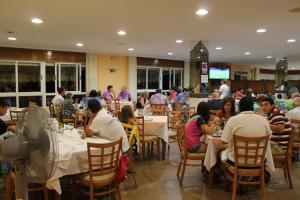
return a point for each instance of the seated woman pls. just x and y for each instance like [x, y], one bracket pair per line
[142, 100]
[127, 116]
[228, 109]
[196, 127]
[67, 107]
[94, 95]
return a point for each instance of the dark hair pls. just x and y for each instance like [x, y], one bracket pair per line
[3, 103]
[268, 99]
[60, 90]
[246, 104]
[279, 96]
[185, 90]
[231, 100]
[126, 114]
[174, 87]
[94, 105]
[158, 90]
[109, 87]
[203, 110]
[93, 93]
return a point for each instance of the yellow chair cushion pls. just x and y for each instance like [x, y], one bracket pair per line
[150, 138]
[86, 177]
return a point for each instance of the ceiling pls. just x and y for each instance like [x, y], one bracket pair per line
[152, 27]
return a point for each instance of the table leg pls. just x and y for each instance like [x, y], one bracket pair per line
[164, 147]
[57, 196]
[211, 176]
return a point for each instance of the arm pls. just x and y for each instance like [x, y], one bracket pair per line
[88, 131]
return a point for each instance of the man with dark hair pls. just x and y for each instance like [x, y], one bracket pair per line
[278, 122]
[59, 97]
[158, 98]
[109, 94]
[104, 124]
[246, 124]
[181, 96]
[3, 110]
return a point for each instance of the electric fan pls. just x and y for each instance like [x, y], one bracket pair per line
[34, 150]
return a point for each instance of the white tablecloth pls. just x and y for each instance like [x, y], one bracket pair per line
[212, 153]
[157, 125]
[72, 156]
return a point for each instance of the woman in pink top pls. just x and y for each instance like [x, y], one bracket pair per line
[196, 127]
[173, 94]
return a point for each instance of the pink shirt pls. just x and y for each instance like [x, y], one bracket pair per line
[193, 131]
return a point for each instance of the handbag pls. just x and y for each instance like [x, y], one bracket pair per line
[122, 170]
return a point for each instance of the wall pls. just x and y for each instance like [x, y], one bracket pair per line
[92, 71]
[243, 68]
[132, 76]
[119, 75]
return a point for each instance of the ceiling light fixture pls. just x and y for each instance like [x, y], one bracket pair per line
[179, 41]
[247, 53]
[170, 53]
[131, 49]
[79, 44]
[282, 59]
[122, 33]
[261, 30]
[219, 48]
[12, 38]
[36, 21]
[198, 57]
[269, 57]
[201, 50]
[293, 68]
[202, 12]
[291, 40]
[49, 53]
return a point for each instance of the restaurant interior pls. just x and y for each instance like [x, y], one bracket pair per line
[137, 99]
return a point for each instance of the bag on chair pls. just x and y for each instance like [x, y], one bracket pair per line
[122, 171]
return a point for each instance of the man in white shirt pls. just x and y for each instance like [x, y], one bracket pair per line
[295, 112]
[158, 98]
[224, 89]
[105, 124]
[59, 98]
[246, 124]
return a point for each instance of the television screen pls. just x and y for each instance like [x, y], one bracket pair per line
[217, 72]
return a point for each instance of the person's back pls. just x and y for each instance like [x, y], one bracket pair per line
[224, 90]
[295, 112]
[158, 98]
[67, 109]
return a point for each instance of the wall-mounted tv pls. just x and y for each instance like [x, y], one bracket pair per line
[219, 72]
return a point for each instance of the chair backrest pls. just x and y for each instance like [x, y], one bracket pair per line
[16, 115]
[284, 140]
[158, 111]
[51, 110]
[117, 105]
[296, 129]
[57, 110]
[250, 151]
[141, 126]
[81, 119]
[181, 140]
[173, 117]
[116, 113]
[104, 159]
[158, 106]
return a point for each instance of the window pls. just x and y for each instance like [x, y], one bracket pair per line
[141, 78]
[153, 78]
[7, 77]
[24, 101]
[29, 77]
[177, 78]
[83, 79]
[166, 79]
[68, 77]
[11, 101]
[50, 78]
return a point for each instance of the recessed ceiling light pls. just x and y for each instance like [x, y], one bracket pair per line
[131, 49]
[219, 48]
[247, 53]
[79, 44]
[198, 57]
[36, 21]
[269, 57]
[282, 59]
[170, 53]
[293, 68]
[261, 30]
[291, 40]
[282, 67]
[202, 12]
[179, 41]
[49, 53]
[12, 38]
[122, 33]
[201, 50]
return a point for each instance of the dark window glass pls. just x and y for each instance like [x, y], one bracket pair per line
[29, 75]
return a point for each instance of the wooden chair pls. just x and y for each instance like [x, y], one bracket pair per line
[296, 136]
[185, 156]
[158, 106]
[158, 111]
[128, 128]
[249, 156]
[147, 139]
[57, 110]
[15, 115]
[51, 110]
[32, 187]
[173, 118]
[284, 159]
[117, 105]
[81, 120]
[103, 167]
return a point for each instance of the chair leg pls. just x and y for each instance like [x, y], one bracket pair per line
[284, 170]
[91, 192]
[45, 191]
[263, 186]
[288, 169]
[158, 149]
[9, 187]
[225, 179]
[151, 145]
[182, 173]
[143, 151]
[179, 168]
[234, 186]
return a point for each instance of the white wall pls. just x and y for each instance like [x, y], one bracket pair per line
[186, 74]
[132, 76]
[92, 72]
[293, 77]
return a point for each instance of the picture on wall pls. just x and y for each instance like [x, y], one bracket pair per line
[204, 68]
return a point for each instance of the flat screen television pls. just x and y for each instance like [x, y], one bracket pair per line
[218, 72]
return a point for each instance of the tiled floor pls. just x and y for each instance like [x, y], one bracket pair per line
[157, 181]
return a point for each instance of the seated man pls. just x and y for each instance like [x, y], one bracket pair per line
[181, 96]
[58, 99]
[105, 124]
[124, 95]
[109, 94]
[215, 103]
[158, 98]
[246, 124]
[295, 112]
